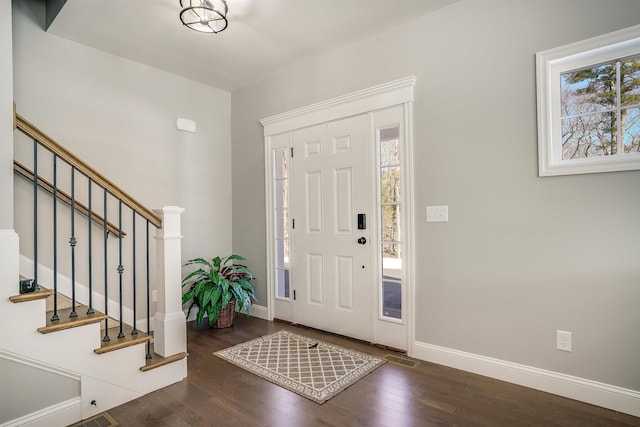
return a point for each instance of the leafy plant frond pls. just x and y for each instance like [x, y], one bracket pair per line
[215, 284]
[187, 279]
[199, 261]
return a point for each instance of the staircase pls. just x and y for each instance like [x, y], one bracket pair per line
[83, 345]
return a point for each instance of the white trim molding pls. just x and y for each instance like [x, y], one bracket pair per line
[259, 311]
[585, 390]
[395, 92]
[410, 249]
[63, 413]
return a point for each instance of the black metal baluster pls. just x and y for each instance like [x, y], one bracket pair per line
[120, 266]
[148, 355]
[55, 316]
[90, 309]
[134, 331]
[73, 242]
[106, 273]
[35, 212]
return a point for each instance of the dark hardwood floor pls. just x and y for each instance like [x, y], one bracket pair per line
[217, 393]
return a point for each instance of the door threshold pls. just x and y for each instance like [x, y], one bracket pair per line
[382, 346]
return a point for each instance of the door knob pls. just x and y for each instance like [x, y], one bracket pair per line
[362, 240]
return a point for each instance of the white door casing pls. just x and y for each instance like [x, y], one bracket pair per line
[279, 131]
[390, 331]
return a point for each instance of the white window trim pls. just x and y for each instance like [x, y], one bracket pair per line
[550, 64]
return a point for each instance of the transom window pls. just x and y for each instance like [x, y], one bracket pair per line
[589, 105]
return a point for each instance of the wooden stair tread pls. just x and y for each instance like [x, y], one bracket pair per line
[67, 322]
[156, 360]
[63, 302]
[117, 343]
[41, 293]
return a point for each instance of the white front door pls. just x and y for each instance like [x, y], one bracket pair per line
[332, 269]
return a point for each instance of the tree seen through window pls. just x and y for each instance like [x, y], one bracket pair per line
[601, 110]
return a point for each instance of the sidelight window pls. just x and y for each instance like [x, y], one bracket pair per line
[281, 223]
[390, 225]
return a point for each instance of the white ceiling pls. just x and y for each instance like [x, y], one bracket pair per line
[262, 36]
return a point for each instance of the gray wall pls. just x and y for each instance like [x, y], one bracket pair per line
[521, 256]
[120, 117]
[6, 117]
[26, 389]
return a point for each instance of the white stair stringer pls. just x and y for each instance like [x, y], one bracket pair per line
[110, 379]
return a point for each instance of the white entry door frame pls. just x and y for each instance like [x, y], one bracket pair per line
[277, 130]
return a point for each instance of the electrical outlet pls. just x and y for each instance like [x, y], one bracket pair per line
[154, 295]
[563, 340]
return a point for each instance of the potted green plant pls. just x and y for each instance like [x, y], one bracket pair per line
[215, 288]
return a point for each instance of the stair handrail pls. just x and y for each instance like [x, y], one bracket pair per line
[26, 173]
[44, 140]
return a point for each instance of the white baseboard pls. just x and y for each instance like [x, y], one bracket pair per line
[60, 414]
[593, 392]
[259, 311]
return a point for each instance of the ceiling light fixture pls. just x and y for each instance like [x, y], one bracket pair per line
[206, 16]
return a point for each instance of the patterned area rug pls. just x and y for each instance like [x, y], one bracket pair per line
[314, 369]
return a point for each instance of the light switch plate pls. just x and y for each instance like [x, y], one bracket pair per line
[437, 213]
[186, 125]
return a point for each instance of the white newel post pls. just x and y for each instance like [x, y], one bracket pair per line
[170, 327]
